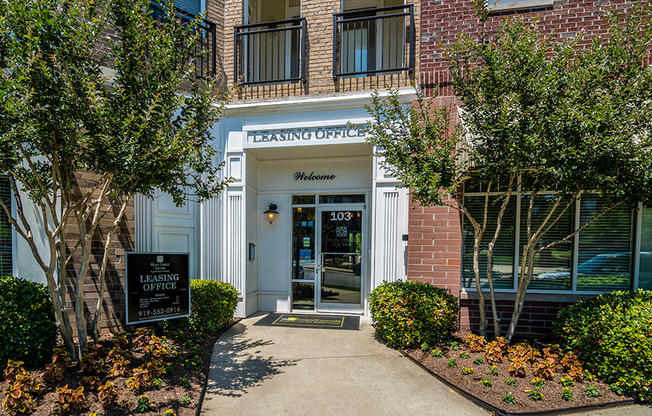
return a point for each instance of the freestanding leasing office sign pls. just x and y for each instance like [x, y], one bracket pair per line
[158, 287]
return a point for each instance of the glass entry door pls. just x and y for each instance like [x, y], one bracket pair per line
[339, 267]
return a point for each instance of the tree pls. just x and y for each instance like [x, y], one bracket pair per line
[98, 87]
[538, 113]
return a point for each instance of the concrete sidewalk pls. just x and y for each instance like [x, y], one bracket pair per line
[261, 370]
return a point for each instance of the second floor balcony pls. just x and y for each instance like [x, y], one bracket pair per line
[373, 41]
[366, 41]
[206, 64]
[270, 52]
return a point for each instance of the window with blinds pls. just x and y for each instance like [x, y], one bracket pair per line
[6, 265]
[552, 267]
[503, 255]
[598, 259]
[604, 258]
[190, 6]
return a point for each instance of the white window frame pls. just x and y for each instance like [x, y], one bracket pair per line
[519, 5]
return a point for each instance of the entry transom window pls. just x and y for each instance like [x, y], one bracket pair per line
[603, 257]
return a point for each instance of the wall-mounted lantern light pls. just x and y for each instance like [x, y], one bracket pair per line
[271, 212]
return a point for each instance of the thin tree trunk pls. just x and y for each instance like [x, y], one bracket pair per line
[100, 300]
[478, 283]
[490, 253]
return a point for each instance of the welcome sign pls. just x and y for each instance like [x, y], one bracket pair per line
[312, 134]
[158, 287]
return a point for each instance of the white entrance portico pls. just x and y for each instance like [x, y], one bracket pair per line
[341, 218]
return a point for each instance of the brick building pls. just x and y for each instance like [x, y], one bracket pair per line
[617, 247]
[311, 222]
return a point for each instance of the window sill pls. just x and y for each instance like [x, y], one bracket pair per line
[472, 294]
[521, 5]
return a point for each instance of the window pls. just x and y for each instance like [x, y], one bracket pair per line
[503, 256]
[6, 265]
[498, 5]
[601, 258]
[188, 7]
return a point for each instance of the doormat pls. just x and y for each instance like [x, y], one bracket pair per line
[311, 321]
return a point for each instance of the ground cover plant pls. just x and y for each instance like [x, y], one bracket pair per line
[149, 371]
[612, 334]
[154, 370]
[521, 377]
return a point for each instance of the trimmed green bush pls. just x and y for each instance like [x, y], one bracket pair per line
[408, 313]
[612, 334]
[27, 328]
[212, 304]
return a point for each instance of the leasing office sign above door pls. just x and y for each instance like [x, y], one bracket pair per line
[302, 135]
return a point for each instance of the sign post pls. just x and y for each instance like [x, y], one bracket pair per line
[158, 287]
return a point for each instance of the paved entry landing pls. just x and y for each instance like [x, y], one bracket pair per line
[271, 370]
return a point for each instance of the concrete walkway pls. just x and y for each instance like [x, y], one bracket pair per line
[261, 370]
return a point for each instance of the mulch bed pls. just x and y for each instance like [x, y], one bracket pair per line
[471, 385]
[190, 347]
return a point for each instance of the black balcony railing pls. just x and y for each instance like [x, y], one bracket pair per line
[373, 41]
[205, 47]
[270, 52]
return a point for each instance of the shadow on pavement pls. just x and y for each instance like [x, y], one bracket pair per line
[238, 365]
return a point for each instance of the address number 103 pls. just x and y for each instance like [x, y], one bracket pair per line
[341, 215]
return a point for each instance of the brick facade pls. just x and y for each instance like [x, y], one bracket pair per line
[113, 314]
[434, 248]
[319, 56]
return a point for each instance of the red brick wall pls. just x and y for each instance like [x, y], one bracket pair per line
[536, 321]
[442, 21]
[435, 243]
[435, 246]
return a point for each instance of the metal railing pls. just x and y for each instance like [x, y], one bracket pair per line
[205, 47]
[270, 52]
[373, 41]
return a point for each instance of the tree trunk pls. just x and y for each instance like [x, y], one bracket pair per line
[478, 284]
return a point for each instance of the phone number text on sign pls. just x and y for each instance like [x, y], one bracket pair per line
[158, 312]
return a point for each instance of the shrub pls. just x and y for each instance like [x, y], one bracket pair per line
[534, 394]
[144, 405]
[69, 400]
[475, 343]
[212, 307]
[27, 325]
[108, 395]
[592, 391]
[611, 335]
[409, 313]
[509, 398]
[567, 395]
